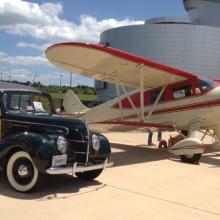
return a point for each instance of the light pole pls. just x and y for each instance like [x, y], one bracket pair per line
[71, 80]
[61, 81]
[1, 76]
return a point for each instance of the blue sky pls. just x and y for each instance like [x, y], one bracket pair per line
[27, 28]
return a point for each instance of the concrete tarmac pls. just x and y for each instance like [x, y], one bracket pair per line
[145, 183]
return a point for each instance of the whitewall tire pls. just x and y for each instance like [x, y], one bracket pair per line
[21, 172]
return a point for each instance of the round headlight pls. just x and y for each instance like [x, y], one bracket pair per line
[95, 142]
[62, 144]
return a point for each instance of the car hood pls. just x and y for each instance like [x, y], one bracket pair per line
[44, 122]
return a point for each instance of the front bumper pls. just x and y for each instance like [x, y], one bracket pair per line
[78, 169]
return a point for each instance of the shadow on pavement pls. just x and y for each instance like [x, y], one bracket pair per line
[127, 154]
[123, 155]
[64, 186]
[211, 157]
[52, 187]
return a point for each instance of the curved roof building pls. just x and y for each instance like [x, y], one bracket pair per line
[192, 4]
[176, 41]
[203, 12]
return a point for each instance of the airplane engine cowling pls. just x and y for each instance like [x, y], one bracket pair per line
[188, 146]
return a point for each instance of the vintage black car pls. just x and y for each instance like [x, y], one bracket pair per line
[34, 141]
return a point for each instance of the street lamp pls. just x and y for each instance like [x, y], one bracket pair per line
[71, 80]
[1, 76]
[61, 81]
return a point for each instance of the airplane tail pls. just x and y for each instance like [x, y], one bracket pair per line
[72, 104]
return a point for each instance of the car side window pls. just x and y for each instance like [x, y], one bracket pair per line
[16, 101]
[11, 101]
[25, 101]
[41, 103]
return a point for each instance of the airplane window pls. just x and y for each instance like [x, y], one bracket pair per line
[206, 84]
[182, 92]
[154, 95]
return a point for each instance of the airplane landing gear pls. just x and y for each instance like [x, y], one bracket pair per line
[190, 158]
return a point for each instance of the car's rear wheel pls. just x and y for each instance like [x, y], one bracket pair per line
[89, 175]
[190, 158]
[21, 172]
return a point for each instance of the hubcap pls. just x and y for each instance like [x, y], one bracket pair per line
[22, 170]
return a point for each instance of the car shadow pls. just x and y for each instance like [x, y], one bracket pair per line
[63, 186]
[52, 187]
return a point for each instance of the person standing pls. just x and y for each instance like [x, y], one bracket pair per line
[159, 135]
[150, 136]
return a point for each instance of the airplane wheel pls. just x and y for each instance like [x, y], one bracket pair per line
[190, 158]
[89, 175]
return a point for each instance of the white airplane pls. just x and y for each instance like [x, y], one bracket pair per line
[166, 97]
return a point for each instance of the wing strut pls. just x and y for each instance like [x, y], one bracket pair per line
[155, 103]
[117, 83]
[131, 102]
[142, 92]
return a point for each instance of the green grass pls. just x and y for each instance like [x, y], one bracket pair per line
[81, 97]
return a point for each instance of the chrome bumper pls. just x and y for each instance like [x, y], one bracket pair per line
[77, 169]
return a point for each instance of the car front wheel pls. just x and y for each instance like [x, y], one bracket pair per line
[21, 172]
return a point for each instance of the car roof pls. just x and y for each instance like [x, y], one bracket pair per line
[7, 86]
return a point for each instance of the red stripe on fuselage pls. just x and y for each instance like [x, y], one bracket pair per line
[190, 107]
[132, 123]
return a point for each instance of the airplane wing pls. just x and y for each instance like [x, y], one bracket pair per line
[113, 65]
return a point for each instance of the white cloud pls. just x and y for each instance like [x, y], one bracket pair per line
[43, 22]
[20, 74]
[53, 78]
[42, 47]
[23, 75]
[23, 60]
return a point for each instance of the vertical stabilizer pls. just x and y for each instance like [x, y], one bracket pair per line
[72, 104]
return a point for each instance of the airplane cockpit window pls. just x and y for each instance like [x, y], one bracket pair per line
[182, 92]
[154, 95]
[206, 84]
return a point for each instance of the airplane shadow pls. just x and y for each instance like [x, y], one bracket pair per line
[127, 154]
[123, 155]
[211, 157]
[52, 187]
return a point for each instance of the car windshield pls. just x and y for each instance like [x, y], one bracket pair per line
[27, 102]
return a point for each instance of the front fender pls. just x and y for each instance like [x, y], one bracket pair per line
[105, 147]
[40, 147]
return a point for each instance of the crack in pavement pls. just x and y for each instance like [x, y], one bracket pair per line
[56, 196]
[164, 200]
